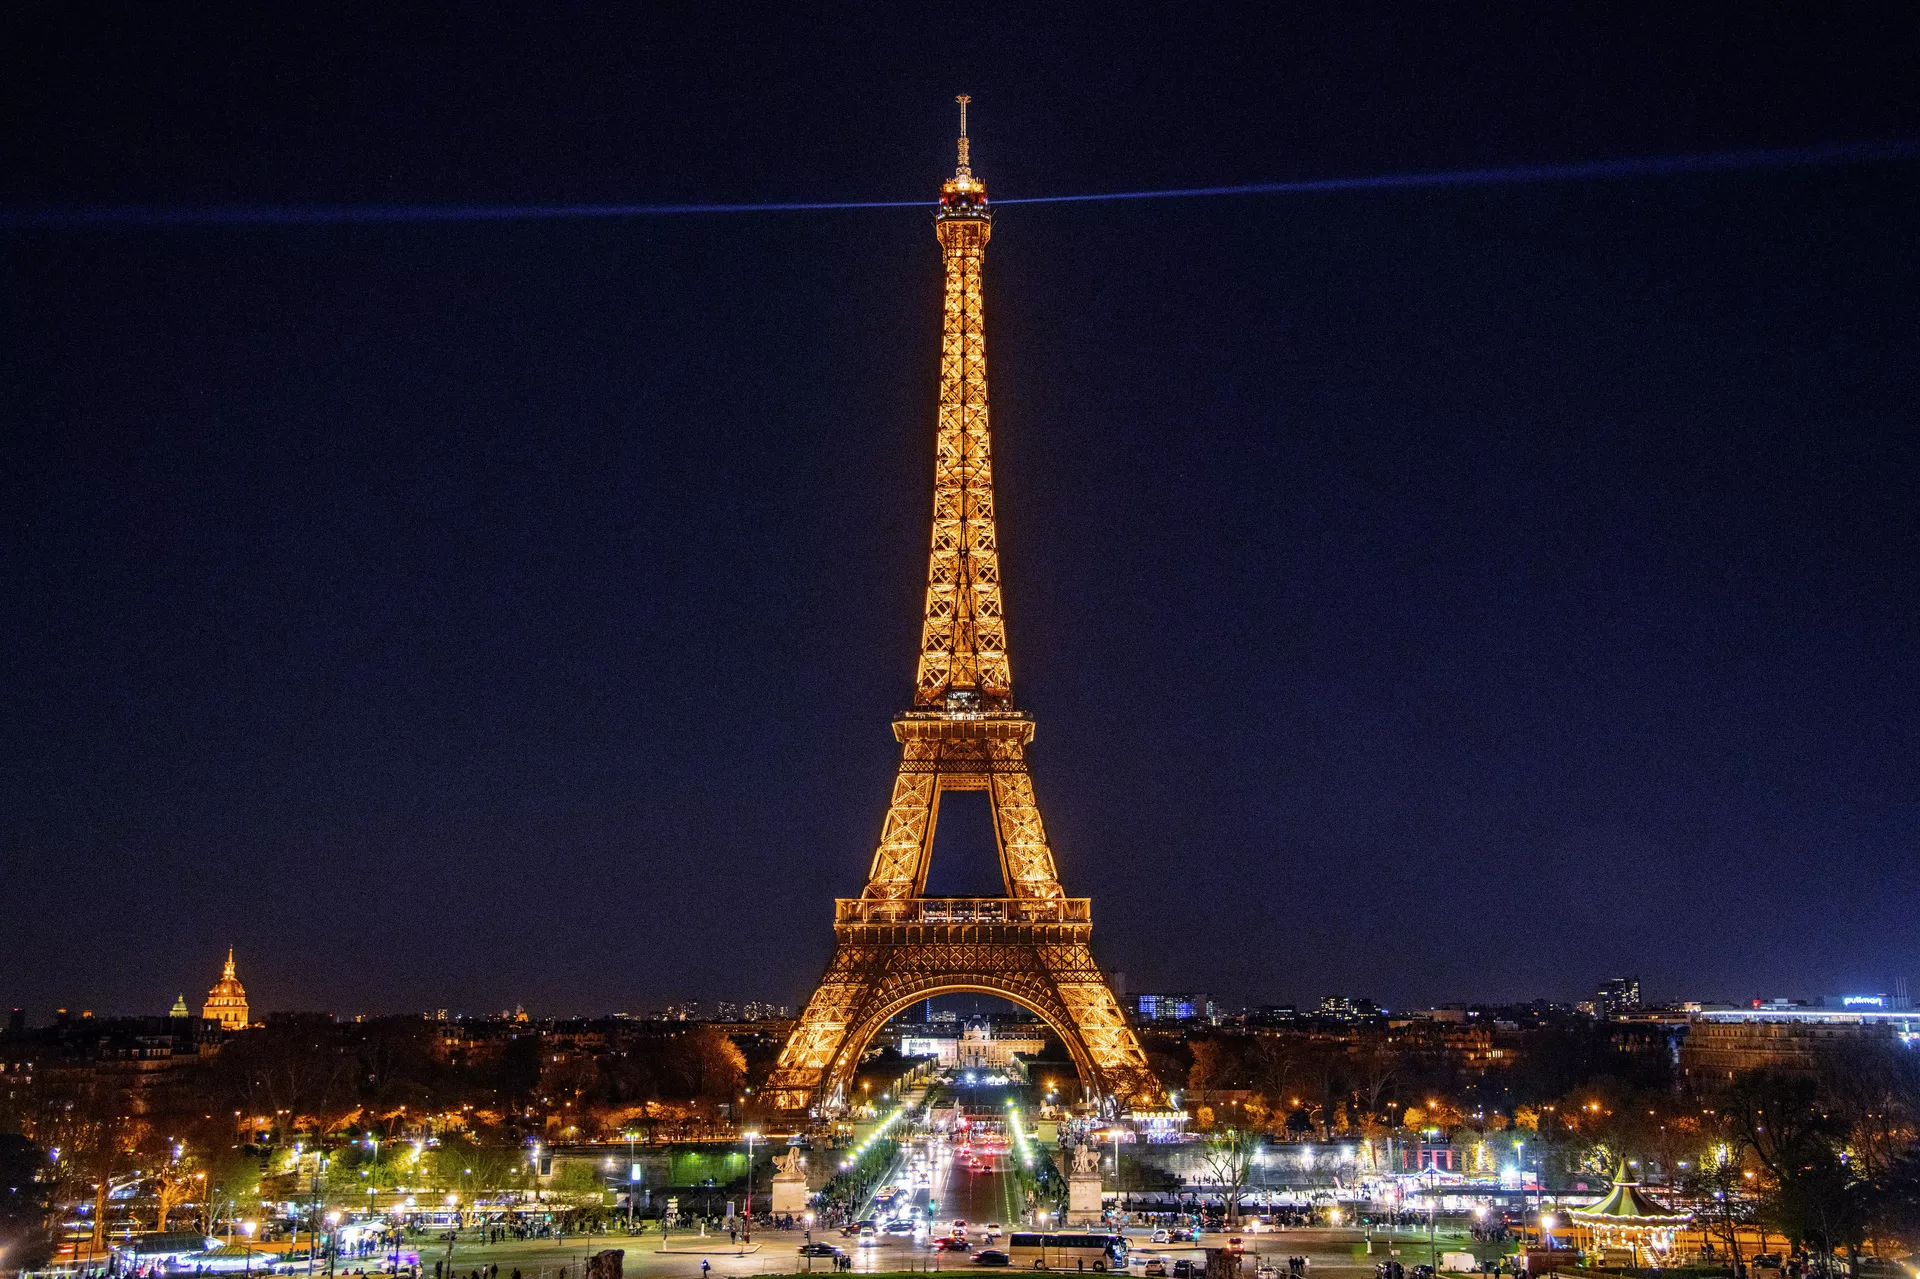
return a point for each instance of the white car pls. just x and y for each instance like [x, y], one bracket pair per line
[993, 1231]
[1161, 1236]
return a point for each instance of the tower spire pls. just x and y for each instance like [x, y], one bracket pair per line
[966, 168]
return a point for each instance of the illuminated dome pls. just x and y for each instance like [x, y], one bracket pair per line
[227, 1001]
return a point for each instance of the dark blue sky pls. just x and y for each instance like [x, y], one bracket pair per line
[1445, 594]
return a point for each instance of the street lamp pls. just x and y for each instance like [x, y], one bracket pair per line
[751, 1138]
[633, 1179]
[246, 1228]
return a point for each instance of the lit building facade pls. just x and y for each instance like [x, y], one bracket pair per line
[975, 1048]
[1777, 1035]
[1171, 1007]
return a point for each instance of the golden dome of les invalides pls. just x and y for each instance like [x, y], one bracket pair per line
[227, 1001]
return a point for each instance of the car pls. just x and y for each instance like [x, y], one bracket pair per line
[1181, 1234]
[1155, 1268]
[1161, 1236]
[820, 1250]
[1188, 1270]
[993, 1230]
[899, 1227]
[991, 1257]
[1236, 1244]
[1266, 1271]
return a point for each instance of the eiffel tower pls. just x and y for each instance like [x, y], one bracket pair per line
[893, 944]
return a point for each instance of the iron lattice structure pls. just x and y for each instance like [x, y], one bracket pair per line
[893, 944]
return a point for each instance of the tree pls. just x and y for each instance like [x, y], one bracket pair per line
[1375, 1068]
[1719, 1184]
[175, 1175]
[1215, 1065]
[292, 1069]
[233, 1178]
[86, 1122]
[577, 1188]
[26, 1199]
[1228, 1159]
[1896, 1201]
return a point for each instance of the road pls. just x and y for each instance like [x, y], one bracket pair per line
[1330, 1251]
[977, 1197]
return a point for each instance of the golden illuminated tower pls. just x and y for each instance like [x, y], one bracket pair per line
[227, 1001]
[893, 944]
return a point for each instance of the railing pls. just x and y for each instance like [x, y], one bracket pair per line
[963, 910]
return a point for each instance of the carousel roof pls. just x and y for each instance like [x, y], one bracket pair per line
[1627, 1205]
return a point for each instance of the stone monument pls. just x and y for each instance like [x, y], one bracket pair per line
[790, 1193]
[1083, 1187]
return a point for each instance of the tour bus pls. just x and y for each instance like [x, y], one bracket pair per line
[1076, 1250]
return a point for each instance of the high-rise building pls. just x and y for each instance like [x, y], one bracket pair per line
[1616, 995]
[227, 1001]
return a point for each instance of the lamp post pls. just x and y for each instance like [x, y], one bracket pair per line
[633, 1180]
[751, 1138]
[1433, 1203]
[246, 1228]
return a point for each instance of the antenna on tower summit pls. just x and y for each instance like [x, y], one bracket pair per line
[963, 99]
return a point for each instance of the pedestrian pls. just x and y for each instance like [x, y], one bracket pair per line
[705, 1266]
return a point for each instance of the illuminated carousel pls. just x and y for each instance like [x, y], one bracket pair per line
[1628, 1220]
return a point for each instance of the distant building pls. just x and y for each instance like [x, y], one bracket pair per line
[1778, 1034]
[1346, 1008]
[978, 1047]
[1171, 1007]
[180, 1011]
[1615, 996]
[1273, 1015]
[227, 1001]
[1897, 1002]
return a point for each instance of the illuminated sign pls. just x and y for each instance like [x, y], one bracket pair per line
[1863, 1001]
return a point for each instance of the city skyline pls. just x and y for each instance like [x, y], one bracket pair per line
[1467, 593]
[748, 1007]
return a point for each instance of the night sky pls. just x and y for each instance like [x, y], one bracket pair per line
[1435, 594]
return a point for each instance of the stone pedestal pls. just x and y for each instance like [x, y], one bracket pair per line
[790, 1193]
[1083, 1199]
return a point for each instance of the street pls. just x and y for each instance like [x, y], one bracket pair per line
[977, 1197]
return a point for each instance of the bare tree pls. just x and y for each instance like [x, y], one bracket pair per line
[1228, 1159]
